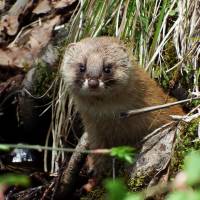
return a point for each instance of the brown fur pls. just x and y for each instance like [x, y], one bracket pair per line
[134, 89]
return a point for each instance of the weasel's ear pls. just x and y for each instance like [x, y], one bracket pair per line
[71, 45]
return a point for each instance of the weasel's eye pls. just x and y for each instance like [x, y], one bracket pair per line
[82, 68]
[107, 69]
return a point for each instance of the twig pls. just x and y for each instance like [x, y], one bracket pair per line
[183, 59]
[153, 108]
[42, 148]
[43, 95]
[12, 44]
[157, 131]
[69, 176]
[161, 45]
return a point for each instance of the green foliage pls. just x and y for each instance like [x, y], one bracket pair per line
[133, 196]
[192, 167]
[184, 195]
[116, 190]
[192, 170]
[158, 27]
[123, 153]
[4, 147]
[195, 103]
[13, 179]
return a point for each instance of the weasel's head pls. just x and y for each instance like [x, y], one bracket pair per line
[96, 66]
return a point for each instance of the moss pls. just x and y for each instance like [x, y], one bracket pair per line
[194, 103]
[44, 78]
[108, 30]
[138, 182]
[170, 56]
[186, 141]
[170, 59]
[97, 194]
[183, 77]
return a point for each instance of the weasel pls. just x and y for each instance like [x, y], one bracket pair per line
[104, 81]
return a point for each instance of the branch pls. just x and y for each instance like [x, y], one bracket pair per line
[153, 108]
[42, 148]
[70, 174]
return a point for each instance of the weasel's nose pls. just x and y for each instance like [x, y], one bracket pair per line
[93, 83]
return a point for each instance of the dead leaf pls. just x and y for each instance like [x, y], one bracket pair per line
[41, 35]
[37, 39]
[62, 3]
[46, 6]
[42, 7]
[10, 22]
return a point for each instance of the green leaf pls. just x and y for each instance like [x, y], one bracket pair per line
[123, 153]
[116, 189]
[158, 27]
[192, 167]
[134, 196]
[184, 195]
[12, 179]
[4, 147]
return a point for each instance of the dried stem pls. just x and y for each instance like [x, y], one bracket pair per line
[154, 108]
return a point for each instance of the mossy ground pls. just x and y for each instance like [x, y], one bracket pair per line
[44, 78]
[187, 140]
[96, 194]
